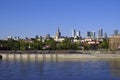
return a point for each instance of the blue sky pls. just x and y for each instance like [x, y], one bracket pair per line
[39, 17]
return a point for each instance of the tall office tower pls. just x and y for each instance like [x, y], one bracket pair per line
[105, 35]
[78, 33]
[100, 33]
[58, 34]
[93, 35]
[47, 36]
[73, 33]
[88, 34]
[115, 31]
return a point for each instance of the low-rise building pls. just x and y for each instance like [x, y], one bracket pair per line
[60, 39]
[114, 42]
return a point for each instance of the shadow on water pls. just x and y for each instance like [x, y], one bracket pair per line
[0, 56]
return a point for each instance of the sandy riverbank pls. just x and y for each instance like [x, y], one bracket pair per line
[58, 56]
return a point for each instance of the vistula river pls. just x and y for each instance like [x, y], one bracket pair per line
[82, 69]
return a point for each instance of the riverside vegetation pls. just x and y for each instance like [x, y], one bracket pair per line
[49, 44]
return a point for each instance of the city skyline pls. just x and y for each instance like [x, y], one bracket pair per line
[74, 33]
[40, 17]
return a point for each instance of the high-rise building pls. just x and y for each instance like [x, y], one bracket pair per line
[115, 31]
[47, 36]
[88, 34]
[93, 35]
[78, 33]
[73, 33]
[100, 33]
[105, 35]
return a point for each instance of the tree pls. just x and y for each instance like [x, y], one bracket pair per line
[51, 43]
[40, 45]
[104, 44]
[66, 44]
[22, 45]
[15, 45]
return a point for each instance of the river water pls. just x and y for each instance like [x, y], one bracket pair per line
[82, 69]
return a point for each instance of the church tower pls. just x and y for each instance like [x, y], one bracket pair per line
[58, 34]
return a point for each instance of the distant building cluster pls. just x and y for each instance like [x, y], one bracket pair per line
[76, 37]
[90, 38]
[76, 34]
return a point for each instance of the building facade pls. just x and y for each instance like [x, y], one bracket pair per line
[114, 42]
[58, 36]
[100, 33]
[90, 34]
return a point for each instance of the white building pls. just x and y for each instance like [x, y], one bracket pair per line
[75, 34]
[58, 37]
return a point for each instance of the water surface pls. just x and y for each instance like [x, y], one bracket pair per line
[83, 69]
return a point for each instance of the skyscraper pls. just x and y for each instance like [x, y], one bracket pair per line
[88, 34]
[115, 31]
[73, 33]
[78, 33]
[47, 36]
[100, 33]
[105, 35]
[93, 35]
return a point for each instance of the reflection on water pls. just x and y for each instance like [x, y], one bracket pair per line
[83, 69]
[115, 67]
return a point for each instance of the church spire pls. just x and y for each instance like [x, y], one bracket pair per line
[58, 34]
[58, 29]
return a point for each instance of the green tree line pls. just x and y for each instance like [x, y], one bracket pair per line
[50, 44]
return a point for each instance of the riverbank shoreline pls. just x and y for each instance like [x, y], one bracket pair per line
[59, 56]
[61, 52]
